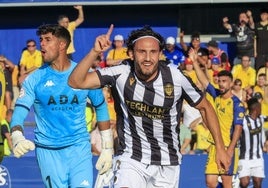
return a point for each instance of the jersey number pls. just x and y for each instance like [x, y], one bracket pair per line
[49, 181]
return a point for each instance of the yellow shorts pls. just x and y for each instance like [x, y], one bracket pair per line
[211, 166]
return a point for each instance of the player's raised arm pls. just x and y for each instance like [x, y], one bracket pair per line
[80, 77]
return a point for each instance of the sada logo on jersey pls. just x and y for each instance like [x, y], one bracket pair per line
[5, 181]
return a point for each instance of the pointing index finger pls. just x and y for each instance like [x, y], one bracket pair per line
[109, 32]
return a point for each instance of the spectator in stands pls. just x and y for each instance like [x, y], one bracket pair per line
[61, 136]
[191, 116]
[244, 33]
[31, 59]
[90, 116]
[63, 20]
[251, 162]
[230, 112]
[118, 53]
[5, 135]
[202, 135]
[148, 93]
[215, 52]
[196, 45]
[95, 140]
[245, 72]
[264, 69]
[260, 84]
[185, 139]
[261, 43]
[110, 102]
[215, 69]
[238, 91]
[249, 92]
[189, 71]
[2, 92]
[173, 53]
[7, 66]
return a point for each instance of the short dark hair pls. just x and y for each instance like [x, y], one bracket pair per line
[252, 103]
[237, 80]
[145, 31]
[60, 17]
[195, 35]
[262, 74]
[56, 30]
[263, 10]
[225, 73]
[30, 40]
[258, 95]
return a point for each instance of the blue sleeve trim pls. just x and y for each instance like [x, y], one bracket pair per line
[212, 91]
[23, 106]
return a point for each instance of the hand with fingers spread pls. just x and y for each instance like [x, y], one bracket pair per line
[192, 55]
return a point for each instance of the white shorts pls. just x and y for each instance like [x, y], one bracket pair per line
[252, 168]
[132, 174]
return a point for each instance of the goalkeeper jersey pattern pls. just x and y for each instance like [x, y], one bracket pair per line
[58, 107]
[148, 112]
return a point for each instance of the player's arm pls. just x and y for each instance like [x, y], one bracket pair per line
[80, 77]
[225, 23]
[31, 69]
[20, 144]
[236, 135]
[250, 18]
[7, 135]
[210, 118]
[182, 43]
[80, 17]
[186, 142]
[203, 79]
[8, 64]
[239, 112]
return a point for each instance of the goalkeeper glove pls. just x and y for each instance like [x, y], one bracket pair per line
[103, 180]
[105, 160]
[20, 144]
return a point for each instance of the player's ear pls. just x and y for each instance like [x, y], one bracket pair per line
[63, 45]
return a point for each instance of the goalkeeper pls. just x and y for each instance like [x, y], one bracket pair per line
[61, 139]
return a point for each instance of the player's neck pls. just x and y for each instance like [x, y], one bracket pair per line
[227, 95]
[61, 65]
[265, 22]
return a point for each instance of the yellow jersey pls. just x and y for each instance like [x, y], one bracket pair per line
[248, 77]
[31, 60]
[2, 92]
[116, 54]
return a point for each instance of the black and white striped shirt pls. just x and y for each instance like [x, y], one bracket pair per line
[148, 113]
[252, 138]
